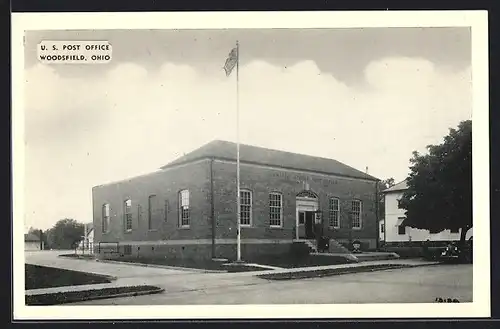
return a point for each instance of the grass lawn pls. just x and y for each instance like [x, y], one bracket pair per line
[212, 265]
[37, 277]
[311, 260]
[77, 296]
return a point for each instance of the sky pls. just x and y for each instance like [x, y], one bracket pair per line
[366, 97]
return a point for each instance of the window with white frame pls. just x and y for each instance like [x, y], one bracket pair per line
[105, 218]
[356, 213]
[184, 208]
[275, 209]
[245, 208]
[334, 214]
[128, 214]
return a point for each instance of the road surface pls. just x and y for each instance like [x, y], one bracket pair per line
[410, 285]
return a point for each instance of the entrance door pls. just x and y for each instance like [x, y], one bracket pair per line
[309, 224]
[305, 208]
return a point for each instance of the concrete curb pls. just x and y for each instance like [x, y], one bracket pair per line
[159, 266]
[313, 273]
[124, 294]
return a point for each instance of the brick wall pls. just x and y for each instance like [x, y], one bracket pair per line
[165, 222]
[253, 252]
[263, 180]
[196, 241]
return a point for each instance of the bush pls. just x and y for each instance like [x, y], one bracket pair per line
[323, 243]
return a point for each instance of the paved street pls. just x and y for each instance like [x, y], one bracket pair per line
[422, 284]
[419, 284]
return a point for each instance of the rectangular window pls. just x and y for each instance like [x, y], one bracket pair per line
[275, 209]
[401, 230]
[128, 215]
[334, 213]
[382, 228]
[105, 218]
[184, 208]
[356, 214]
[245, 208]
[152, 209]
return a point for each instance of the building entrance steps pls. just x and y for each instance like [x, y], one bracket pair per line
[336, 248]
[311, 245]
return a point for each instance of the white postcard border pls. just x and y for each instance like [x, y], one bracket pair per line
[477, 20]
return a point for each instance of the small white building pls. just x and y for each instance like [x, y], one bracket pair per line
[86, 246]
[32, 242]
[392, 228]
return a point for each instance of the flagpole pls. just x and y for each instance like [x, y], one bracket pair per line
[238, 236]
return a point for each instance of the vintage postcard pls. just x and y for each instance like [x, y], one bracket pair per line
[250, 165]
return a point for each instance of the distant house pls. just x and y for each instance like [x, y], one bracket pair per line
[393, 229]
[32, 242]
[87, 244]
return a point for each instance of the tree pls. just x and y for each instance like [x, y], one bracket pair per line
[65, 234]
[439, 194]
[386, 183]
[383, 185]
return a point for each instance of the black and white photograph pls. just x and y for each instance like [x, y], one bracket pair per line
[292, 164]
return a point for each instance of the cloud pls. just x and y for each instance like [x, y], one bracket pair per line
[126, 121]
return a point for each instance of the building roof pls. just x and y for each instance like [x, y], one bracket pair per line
[401, 186]
[224, 150]
[30, 237]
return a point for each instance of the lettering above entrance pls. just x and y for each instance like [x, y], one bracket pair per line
[307, 194]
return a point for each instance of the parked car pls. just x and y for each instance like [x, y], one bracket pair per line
[450, 254]
[455, 253]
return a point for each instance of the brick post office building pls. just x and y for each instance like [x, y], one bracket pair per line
[187, 209]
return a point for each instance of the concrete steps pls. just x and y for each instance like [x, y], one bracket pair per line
[312, 244]
[336, 248]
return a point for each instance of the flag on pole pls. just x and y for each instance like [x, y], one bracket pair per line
[231, 61]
